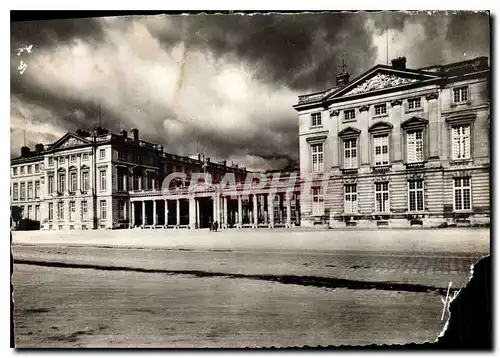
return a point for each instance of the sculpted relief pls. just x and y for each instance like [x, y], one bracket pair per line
[379, 82]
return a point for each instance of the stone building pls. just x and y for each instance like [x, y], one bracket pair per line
[398, 147]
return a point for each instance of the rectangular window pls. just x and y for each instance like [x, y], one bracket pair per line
[85, 157]
[462, 192]
[415, 146]
[73, 159]
[103, 209]
[60, 210]
[72, 210]
[414, 103]
[318, 207]
[351, 198]
[14, 171]
[416, 195]
[37, 212]
[72, 181]
[30, 190]
[62, 183]
[61, 160]
[83, 212]
[50, 184]
[102, 179]
[460, 94]
[350, 154]
[316, 119]
[51, 211]
[30, 212]
[23, 191]
[382, 197]
[22, 170]
[461, 142]
[380, 109]
[85, 181]
[37, 168]
[51, 162]
[121, 209]
[15, 190]
[102, 153]
[317, 157]
[381, 147]
[37, 189]
[30, 169]
[349, 114]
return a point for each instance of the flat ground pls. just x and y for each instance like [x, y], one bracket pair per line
[236, 288]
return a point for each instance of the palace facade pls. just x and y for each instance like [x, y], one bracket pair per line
[399, 147]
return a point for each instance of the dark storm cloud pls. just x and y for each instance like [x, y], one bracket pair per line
[291, 49]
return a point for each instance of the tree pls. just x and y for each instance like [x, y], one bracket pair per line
[16, 214]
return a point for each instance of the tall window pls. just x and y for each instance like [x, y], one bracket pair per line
[37, 212]
[317, 157]
[102, 153]
[51, 161]
[22, 170]
[415, 146]
[350, 154]
[15, 190]
[51, 211]
[60, 210]
[85, 181]
[37, 168]
[351, 198]
[30, 212]
[416, 195]
[460, 94]
[380, 109]
[381, 147]
[30, 190]
[50, 184]
[72, 210]
[318, 207]
[72, 181]
[62, 183]
[30, 168]
[37, 189]
[414, 103]
[349, 114]
[103, 209]
[316, 119]
[382, 197]
[84, 210]
[461, 141]
[122, 209]
[14, 171]
[102, 179]
[23, 191]
[462, 192]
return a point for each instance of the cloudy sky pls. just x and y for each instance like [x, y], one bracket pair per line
[226, 82]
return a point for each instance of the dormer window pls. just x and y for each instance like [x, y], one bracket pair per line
[414, 103]
[316, 119]
[380, 109]
[349, 115]
[460, 94]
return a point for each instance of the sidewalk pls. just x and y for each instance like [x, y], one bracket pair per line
[409, 241]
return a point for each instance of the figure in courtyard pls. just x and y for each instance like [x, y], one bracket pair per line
[210, 224]
[216, 225]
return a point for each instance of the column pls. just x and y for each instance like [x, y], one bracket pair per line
[132, 218]
[154, 213]
[396, 148]
[225, 212]
[66, 162]
[214, 208]
[78, 172]
[56, 176]
[140, 181]
[270, 209]
[178, 213]
[364, 136]
[255, 211]
[288, 210]
[125, 181]
[240, 212]
[166, 213]
[192, 213]
[143, 212]
[433, 125]
[198, 213]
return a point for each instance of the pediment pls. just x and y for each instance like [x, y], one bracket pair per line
[380, 126]
[349, 131]
[382, 78]
[70, 140]
[414, 121]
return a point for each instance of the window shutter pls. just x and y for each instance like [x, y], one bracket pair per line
[410, 147]
[385, 156]
[456, 143]
[466, 142]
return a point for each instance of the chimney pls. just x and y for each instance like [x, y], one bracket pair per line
[25, 151]
[123, 133]
[135, 133]
[342, 79]
[399, 63]
[39, 148]
[224, 163]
